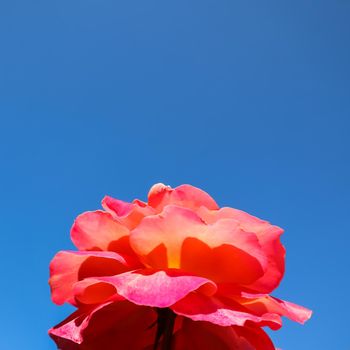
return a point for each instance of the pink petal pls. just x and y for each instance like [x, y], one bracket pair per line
[108, 326]
[275, 252]
[185, 195]
[129, 214]
[68, 267]
[156, 289]
[222, 251]
[98, 230]
[203, 308]
[117, 207]
[67, 334]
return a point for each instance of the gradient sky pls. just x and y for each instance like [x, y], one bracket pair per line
[249, 100]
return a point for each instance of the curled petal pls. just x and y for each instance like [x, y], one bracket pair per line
[149, 288]
[97, 230]
[185, 195]
[106, 326]
[178, 238]
[262, 304]
[68, 267]
[129, 214]
[204, 308]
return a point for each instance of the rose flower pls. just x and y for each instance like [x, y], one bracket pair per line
[177, 272]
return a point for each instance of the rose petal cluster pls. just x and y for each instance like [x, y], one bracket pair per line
[212, 268]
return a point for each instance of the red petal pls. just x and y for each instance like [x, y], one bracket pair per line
[256, 337]
[207, 336]
[118, 325]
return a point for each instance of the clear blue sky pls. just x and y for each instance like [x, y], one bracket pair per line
[249, 100]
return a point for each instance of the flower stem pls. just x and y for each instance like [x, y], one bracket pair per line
[165, 326]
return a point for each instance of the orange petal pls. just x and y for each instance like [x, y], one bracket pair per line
[225, 263]
[269, 239]
[222, 251]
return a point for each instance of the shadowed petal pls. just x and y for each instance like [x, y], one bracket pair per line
[255, 336]
[207, 336]
[68, 267]
[110, 326]
[269, 239]
[221, 252]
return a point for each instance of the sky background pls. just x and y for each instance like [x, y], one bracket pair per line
[249, 100]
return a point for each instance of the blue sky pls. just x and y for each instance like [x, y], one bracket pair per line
[249, 100]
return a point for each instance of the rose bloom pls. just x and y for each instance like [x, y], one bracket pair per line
[177, 272]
